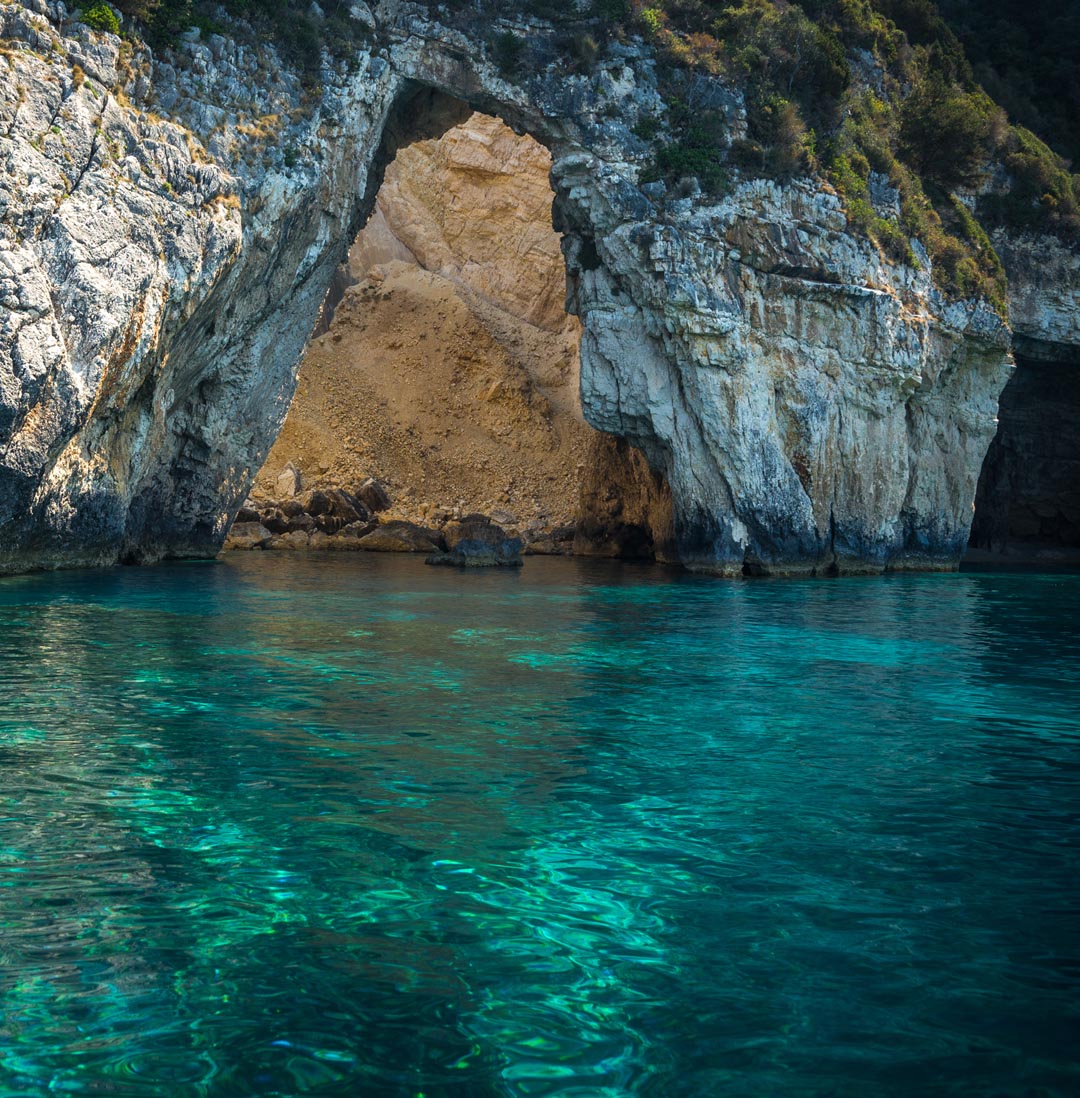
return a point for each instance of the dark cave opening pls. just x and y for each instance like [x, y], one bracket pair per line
[1027, 505]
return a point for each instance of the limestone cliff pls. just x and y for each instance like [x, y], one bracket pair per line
[170, 227]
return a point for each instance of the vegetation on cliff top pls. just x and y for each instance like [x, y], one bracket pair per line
[297, 32]
[1026, 54]
[877, 96]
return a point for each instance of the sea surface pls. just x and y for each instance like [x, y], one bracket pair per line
[351, 826]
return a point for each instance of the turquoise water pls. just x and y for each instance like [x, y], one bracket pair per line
[353, 826]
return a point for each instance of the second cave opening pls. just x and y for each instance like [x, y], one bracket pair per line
[1027, 508]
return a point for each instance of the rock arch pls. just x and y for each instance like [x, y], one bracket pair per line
[812, 406]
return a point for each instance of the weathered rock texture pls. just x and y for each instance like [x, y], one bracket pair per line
[475, 207]
[170, 228]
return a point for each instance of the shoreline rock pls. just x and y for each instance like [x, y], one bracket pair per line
[477, 542]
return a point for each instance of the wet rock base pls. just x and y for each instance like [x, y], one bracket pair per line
[362, 520]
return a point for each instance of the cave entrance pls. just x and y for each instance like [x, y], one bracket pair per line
[1027, 507]
[444, 367]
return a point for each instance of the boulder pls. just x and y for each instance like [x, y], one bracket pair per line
[346, 540]
[300, 522]
[247, 535]
[333, 508]
[275, 521]
[401, 537]
[354, 531]
[476, 542]
[289, 482]
[297, 539]
[249, 512]
[373, 495]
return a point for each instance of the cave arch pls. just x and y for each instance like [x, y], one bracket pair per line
[812, 408]
[444, 363]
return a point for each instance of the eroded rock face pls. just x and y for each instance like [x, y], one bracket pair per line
[475, 206]
[811, 406]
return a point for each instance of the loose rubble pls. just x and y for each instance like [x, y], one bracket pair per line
[334, 518]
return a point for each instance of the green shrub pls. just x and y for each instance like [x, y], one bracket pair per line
[946, 133]
[507, 51]
[102, 18]
[1043, 195]
[651, 21]
[697, 150]
[647, 128]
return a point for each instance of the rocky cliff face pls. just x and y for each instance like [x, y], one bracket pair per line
[474, 206]
[170, 227]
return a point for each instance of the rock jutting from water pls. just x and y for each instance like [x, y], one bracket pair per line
[172, 223]
[476, 542]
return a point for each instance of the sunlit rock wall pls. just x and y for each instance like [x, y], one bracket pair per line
[812, 406]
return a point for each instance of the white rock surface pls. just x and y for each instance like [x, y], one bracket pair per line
[169, 226]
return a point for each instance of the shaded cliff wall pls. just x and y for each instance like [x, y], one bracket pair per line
[1027, 509]
[1028, 503]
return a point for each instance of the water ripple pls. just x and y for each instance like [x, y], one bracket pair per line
[326, 827]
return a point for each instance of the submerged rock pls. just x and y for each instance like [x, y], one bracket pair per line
[476, 542]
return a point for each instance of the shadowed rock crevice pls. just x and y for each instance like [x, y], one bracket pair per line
[1028, 505]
